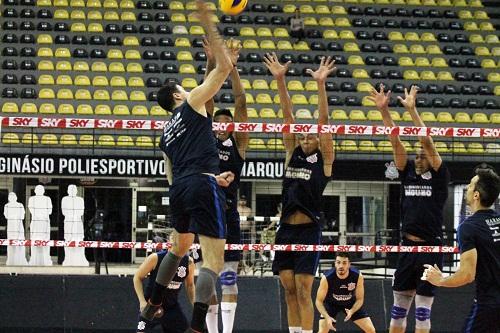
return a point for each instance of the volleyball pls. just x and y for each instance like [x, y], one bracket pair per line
[232, 7]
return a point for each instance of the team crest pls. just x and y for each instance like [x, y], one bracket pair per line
[141, 326]
[427, 175]
[351, 286]
[391, 172]
[181, 271]
[227, 143]
[312, 158]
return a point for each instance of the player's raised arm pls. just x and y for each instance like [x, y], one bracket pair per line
[223, 65]
[409, 102]
[279, 70]
[209, 105]
[381, 100]
[326, 67]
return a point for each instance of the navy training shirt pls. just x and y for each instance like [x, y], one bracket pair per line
[303, 184]
[481, 231]
[341, 292]
[171, 294]
[230, 160]
[189, 143]
[422, 201]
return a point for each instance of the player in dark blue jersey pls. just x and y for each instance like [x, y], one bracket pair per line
[192, 163]
[308, 168]
[479, 244]
[424, 190]
[172, 319]
[232, 149]
[342, 290]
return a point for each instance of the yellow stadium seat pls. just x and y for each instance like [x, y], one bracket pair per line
[100, 81]
[256, 144]
[289, 8]
[135, 81]
[106, 140]
[267, 44]
[176, 5]
[301, 46]
[187, 69]
[422, 62]
[384, 146]
[439, 62]
[110, 4]
[30, 139]
[121, 110]
[366, 146]
[249, 98]
[400, 48]
[280, 33]
[313, 99]
[118, 81]
[495, 51]
[495, 118]
[427, 75]
[196, 30]
[462, 117]
[311, 86]
[492, 148]
[330, 34]
[263, 98]
[396, 36]
[140, 110]
[46, 93]
[417, 49]
[178, 17]
[64, 94]
[94, 4]
[267, 113]
[494, 77]
[488, 63]
[245, 83]
[64, 80]
[132, 55]
[45, 52]
[284, 45]
[45, 65]
[130, 41]
[94, 15]
[247, 32]
[465, 14]
[351, 47]
[44, 39]
[82, 80]
[364, 87]
[444, 76]
[347, 34]
[65, 109]
[115, 54]
[475, 148]
[63, 66]
[61, 3]
[62, 14]
[102, 109]
[338, 10]
[111, 16]
[348, 145]
[119, 95]
[360, 73]
[275, 144]
[264, 32]
[395, 115]
[339, 115]
[250, 44]
[411, 37]
[406, 116]
[476, 38]
[137, 95]
[413, 2]
[68, 139]
[357, 115]
[441, 147]
[492, 39]
[480, 118]
[428, 116]
[374, 115]
[157, 110]
[299, 99]
[47, 108]
[78, 27]
[86, 140]
[342, 22]
[306, 9]
[428, 37]
[303, 114]
[116, 67]
[457, 147]
[10, 107]
[252, 113]
[486, 26]
[10, 138]
[128, 16]
[481, 15]
[295, 85]
[101, 95]
[85, 109]
[497, 91]
[482, 51]
[81, 66]
[134, 67]
[46, 79]
[189, 83]
[445, 117]
[77, 3]
[144, 141]
[260, 84]
[182, 42]
[83, 94]
[433, 49]
[355, 60]
[29, 108]
[99, 66]
[322, 9]
[406, 61]
[366, 101]
[411, 75]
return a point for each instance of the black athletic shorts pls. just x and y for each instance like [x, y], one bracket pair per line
[197, 206]
[172, 321]
[333, 311]
[299, 262]
[483, 319]
[233, 234]
[410, 268]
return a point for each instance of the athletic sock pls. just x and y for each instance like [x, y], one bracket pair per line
[228, 310]
[295, 329]
[212, 318]
[205, 288]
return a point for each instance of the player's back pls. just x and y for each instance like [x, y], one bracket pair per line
[483, 230]
[189, 143]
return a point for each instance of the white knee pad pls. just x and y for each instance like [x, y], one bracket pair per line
[423, 306]
[399, 311]
[229, 278]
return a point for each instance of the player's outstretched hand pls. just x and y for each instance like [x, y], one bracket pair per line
[225, 178]
[432, 274]
[208, 49]
[234, 47]
[272, 63]
[330, 323]
[349, 314]
[410, 98]
[324, 70]
[380, 98]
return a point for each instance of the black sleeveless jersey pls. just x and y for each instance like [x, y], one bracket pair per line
[481, 231]
[170, 294]
[230, 160]
[303, 184]
[341, 292]
[189, 143]
[422, 201]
